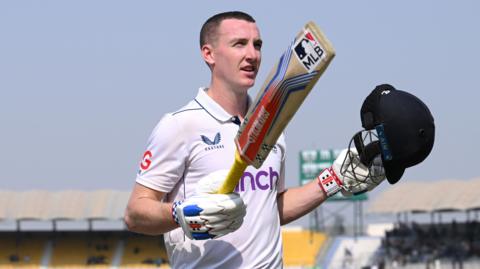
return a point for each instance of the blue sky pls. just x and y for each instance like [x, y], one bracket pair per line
[83, 83]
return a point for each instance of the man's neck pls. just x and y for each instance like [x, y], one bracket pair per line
[234, 102]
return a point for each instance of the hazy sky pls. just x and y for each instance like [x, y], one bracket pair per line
[83, 83]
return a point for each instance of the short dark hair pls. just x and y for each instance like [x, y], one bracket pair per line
[209, 28]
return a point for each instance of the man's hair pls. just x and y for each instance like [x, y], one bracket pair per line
[209, 29]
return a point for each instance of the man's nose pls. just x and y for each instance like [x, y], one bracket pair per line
[252, 53]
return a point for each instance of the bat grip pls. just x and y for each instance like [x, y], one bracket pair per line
[234, 175]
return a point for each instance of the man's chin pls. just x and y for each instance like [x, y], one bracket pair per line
[248, 83]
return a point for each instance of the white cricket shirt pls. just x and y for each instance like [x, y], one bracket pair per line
[193, 142]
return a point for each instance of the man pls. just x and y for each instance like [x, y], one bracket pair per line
[188, 148]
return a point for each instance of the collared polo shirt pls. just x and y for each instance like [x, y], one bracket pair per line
[193, 142]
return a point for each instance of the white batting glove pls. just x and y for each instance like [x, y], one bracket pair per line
[209, 215]
[349, 175]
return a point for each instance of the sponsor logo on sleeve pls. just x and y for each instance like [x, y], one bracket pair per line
[146, 161]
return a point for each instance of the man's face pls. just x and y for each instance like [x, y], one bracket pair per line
[236, 53]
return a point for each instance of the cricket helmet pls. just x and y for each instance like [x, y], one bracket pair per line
[403, 126]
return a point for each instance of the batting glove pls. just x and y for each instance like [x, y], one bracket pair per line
[349, 175]
[209, 215]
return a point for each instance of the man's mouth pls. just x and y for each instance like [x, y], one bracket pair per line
[250, 69]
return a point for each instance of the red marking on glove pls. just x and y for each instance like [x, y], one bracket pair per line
[195, 225]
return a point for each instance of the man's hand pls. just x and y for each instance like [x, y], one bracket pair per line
[349, 175]
[209, 215]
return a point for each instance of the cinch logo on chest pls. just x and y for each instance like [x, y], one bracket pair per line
[212, 144]
[261, 180]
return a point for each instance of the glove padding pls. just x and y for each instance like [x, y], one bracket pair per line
[356, 178]
[350, 176]
[208, 215]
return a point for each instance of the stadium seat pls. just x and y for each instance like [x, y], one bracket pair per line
[144, 252]
[80, 250]
[21, 250]
[300, 247]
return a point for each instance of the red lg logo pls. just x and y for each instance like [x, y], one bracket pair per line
[145, 164]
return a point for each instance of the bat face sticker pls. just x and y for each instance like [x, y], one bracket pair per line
[308, 51]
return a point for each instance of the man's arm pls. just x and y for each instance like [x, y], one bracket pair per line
[347, 174]
[202, 216]
[296, 202]
[147, 214]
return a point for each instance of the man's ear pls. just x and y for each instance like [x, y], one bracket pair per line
[208, 54]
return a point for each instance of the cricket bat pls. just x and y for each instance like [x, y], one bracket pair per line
[282, 93]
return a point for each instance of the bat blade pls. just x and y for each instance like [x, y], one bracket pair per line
[284, 90]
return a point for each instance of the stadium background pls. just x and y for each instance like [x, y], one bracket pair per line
[83, 83]
[77, 229]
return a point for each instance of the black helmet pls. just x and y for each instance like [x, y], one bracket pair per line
[404, 127]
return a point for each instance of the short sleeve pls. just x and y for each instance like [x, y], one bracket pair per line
[163, 161]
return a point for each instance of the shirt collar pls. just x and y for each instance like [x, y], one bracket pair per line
[212, 107]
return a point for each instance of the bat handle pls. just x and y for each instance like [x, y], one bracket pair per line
[234, 175]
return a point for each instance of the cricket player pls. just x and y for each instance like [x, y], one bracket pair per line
[190, 150]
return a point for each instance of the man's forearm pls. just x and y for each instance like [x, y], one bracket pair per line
[296, 202]
[148, 216]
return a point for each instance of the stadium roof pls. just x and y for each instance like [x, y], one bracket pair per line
[415, 197]
[423, 197]
[62, 205]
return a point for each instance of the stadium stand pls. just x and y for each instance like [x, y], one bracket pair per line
[407, 245]
[142, 251]
[351, 252]
[95, 249]
[98, 249]
[437, 243]
[428, 244]
[300, 247]
[80, 249]
[21, 250]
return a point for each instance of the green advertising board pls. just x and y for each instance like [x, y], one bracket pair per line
[312, 162]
